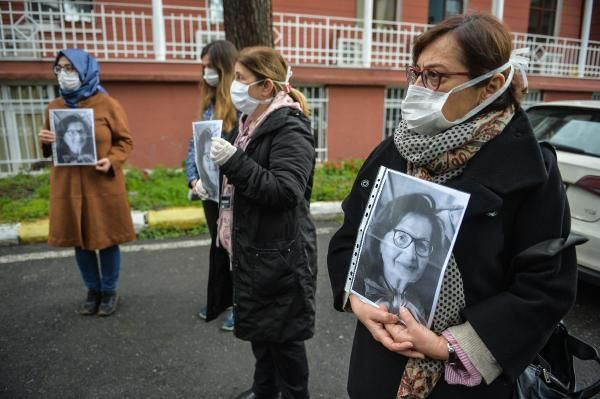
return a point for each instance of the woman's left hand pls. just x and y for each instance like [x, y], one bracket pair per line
[103, 165]
[424, 340]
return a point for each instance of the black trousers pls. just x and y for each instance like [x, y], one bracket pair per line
[280, 367]
[220, 286]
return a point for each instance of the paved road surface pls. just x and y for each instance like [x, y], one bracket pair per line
[155, 346]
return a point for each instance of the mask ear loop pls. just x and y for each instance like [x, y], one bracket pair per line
[519, 59]
[287, 87]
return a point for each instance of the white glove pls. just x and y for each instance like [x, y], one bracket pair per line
[202, 193]
[221, 150]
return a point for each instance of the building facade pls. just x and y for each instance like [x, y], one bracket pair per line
[348, 57]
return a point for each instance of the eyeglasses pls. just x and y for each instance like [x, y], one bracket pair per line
[430, 77]
[402, 240]
[68, 68]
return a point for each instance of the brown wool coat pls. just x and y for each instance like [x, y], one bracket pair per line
[89, 208]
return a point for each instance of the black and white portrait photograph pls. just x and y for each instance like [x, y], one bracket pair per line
[209, 172]
[405, 242]
[75, 140]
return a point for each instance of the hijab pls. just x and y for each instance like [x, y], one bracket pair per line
[89, 73]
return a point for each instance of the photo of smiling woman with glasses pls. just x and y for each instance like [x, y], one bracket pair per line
[404, 242]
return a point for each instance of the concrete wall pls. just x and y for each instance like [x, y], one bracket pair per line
[516, 15]
[551, 95]
[338, 8]
[414, 12]
[570, 19]
[160, 118]
[355, 121]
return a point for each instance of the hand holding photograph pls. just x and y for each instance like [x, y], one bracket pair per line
[404, 243]
[75, 138]
[209, 172]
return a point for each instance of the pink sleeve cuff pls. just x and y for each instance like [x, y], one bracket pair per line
[464, 373]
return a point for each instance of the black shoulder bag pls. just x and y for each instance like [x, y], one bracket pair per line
[551, 375]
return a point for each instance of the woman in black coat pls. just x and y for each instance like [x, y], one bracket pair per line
[265, 223]
[501, 294]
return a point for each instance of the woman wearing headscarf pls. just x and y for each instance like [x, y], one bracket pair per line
[88, 204]
[512, 274]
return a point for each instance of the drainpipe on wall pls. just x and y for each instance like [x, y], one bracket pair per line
[585, 36]
[367, 32]
[158, 30]
[498, 9]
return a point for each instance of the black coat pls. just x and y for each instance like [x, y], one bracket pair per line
[517, 201]
[274, 238]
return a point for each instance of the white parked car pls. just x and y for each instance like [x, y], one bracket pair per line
[573, 128]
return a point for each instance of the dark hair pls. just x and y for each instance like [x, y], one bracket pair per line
[397, 208]
[485, 44]
[63, 125]
[388, 218]
[222, 54]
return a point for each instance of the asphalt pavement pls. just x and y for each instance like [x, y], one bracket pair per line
[155, 346]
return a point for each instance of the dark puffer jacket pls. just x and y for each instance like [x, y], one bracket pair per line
[273, 237]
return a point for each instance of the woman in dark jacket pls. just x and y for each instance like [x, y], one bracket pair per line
[218, 59]
[501, 296]
[265, 223]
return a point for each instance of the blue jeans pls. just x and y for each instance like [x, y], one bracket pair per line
[110, 265]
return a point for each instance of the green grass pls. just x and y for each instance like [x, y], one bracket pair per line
[153, 233]
[163, 188]
[333, 180]
[25, 196]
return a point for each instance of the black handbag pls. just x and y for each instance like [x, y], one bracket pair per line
[552, 375]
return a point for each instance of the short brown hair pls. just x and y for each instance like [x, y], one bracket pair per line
[485, 45]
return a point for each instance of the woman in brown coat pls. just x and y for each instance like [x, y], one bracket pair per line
[88, 204]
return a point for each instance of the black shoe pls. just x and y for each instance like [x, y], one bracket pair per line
[91, 304]
[250, 395]
[108, 304]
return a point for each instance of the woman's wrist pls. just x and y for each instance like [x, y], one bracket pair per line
[440, 350]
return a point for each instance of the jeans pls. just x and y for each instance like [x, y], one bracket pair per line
[280, 367]
[110, 265]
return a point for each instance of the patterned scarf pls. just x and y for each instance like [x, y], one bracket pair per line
[440, 158]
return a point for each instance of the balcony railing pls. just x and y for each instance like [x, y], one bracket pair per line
[115, 31]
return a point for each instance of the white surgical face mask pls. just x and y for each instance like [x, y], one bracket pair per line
[242, 100]
[422, 107]
[69, 81]
[211, 76]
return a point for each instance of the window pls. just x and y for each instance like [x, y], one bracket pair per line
[216, 11]
[383, 10]
[70, 10]
[541, 17]
[441, 9]
[532, 97]
[393, 101]
[316, 97]
[596, 96]
[21, 118]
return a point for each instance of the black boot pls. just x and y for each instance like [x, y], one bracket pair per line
[108, 304]
[91, 304]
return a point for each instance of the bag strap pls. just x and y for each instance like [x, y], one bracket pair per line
[584, 351]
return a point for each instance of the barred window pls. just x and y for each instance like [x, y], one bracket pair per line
[21, 118]
[393, 100]
[317, 99]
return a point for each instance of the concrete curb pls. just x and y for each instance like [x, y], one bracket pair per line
[177, 218]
